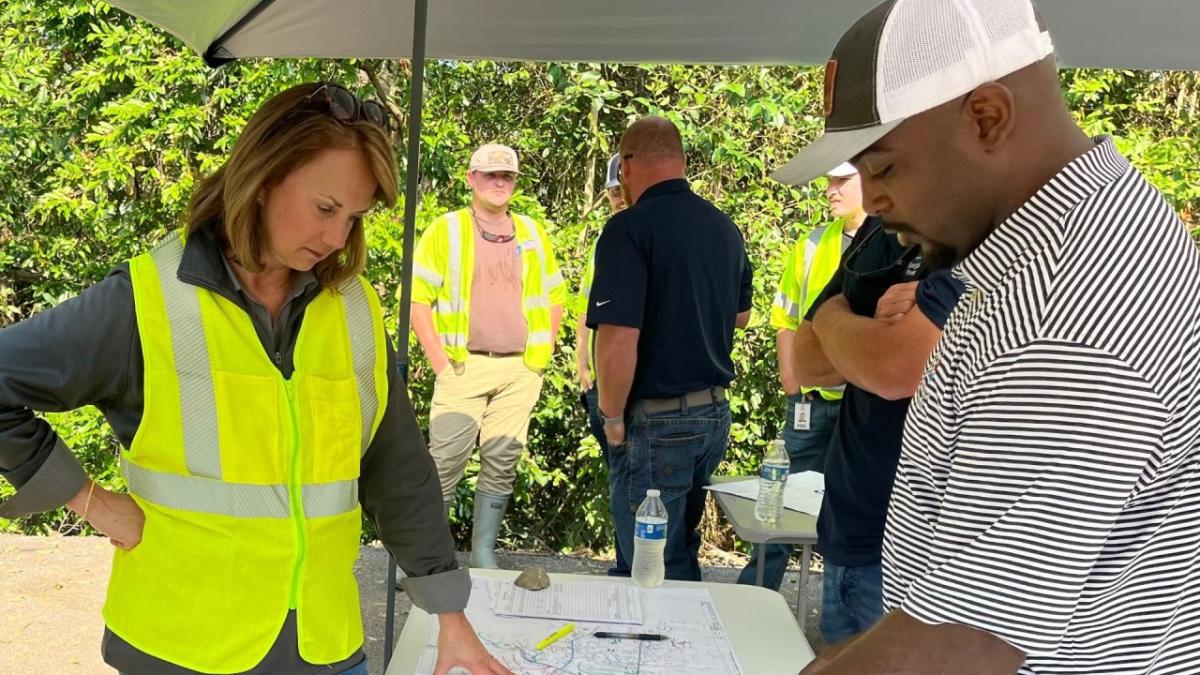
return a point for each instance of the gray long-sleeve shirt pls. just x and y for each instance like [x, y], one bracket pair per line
[86, 351]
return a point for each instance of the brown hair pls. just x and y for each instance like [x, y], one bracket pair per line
[282, 135]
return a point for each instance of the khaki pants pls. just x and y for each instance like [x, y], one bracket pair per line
[489, 399]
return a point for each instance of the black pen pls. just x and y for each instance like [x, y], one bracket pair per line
[629, 636]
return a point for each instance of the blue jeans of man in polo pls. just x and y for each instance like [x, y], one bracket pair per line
[807, 449]
[676, 453]
[591, 401]
[851, 600]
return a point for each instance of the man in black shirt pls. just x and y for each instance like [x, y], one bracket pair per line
[874, 327]
[672, 280]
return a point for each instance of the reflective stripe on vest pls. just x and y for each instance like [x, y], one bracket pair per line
[823, 250]
[191, 354]
[456, 340]
[239, 500]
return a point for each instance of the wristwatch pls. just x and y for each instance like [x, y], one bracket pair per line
[612, 421]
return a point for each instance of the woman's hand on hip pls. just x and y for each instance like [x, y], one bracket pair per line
[113, 514]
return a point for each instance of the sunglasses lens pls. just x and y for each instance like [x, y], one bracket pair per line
[375, 114]
[342, 104]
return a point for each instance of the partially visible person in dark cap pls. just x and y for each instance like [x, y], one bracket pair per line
[585, 338]
[1044, 511]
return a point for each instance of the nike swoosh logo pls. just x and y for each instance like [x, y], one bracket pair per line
[601, 304]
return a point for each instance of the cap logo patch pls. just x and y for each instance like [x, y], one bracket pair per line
[830, 79]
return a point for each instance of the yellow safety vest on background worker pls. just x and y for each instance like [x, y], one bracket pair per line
[585, 291]
[444, 264]
[249, 482]
[810, 265]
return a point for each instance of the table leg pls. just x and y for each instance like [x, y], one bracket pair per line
[758, 573]
[802, 597]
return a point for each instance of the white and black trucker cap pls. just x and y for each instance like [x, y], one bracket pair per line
[908, 56]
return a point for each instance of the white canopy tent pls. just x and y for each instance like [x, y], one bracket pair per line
[1144, 34]
[1136, 34]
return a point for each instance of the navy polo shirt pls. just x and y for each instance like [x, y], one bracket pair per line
[675, 267]
[860, 465]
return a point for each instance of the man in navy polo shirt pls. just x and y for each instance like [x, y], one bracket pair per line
[873, 327]
[672, 281]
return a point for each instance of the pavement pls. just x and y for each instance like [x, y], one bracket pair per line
[52, 588]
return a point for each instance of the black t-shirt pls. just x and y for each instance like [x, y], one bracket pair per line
[865, 447]
[675, 267]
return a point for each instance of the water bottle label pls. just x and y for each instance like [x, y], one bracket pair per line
[651, 531]
[774, 472]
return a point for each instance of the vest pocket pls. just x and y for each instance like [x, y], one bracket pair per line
[249, 427]
[337, 427]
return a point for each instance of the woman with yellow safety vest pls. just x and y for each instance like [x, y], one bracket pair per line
[243, 365]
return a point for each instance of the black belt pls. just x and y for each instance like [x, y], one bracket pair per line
[695, 399]
[496, 355]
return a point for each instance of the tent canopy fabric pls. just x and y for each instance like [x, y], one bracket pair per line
[1139, 34]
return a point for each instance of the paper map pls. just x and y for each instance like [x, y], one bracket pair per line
[698, 644]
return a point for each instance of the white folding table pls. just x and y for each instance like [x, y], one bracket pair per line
[793, 528]
[761, 629]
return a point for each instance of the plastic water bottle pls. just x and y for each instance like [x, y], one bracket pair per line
[650, 541]
[771, 482]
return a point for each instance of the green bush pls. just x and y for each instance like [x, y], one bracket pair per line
[105, 124]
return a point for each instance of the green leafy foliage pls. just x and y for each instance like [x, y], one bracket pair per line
[106, 123]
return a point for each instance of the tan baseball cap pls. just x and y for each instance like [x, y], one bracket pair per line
[494, 157]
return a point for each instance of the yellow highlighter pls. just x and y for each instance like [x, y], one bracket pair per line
[556, 636]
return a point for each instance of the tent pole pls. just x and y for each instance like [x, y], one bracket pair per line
[416, 105]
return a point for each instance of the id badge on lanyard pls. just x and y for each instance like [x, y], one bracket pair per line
[802, 418]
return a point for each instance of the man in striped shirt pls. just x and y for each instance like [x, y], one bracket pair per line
[1045, 512]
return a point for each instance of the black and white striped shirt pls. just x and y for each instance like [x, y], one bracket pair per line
[1048, 490]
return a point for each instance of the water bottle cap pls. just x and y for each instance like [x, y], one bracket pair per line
[652, 493]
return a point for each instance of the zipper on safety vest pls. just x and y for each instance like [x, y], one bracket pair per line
[294, 496]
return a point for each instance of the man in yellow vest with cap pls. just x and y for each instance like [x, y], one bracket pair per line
[487, 304]
[811, 411]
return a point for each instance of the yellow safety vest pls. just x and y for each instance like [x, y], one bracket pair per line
[810, 265]
[585, 291]
[444, 264]
[249, 481]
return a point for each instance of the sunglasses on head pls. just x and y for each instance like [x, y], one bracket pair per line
[347, 108]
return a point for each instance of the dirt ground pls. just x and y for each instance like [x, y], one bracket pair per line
[52, 588]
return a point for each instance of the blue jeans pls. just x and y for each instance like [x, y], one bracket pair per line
[807, 449]
[851, 601]
[675, 452]
[591, 401]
